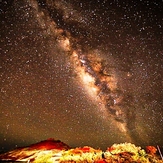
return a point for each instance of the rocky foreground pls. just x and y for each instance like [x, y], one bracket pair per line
[55, 151]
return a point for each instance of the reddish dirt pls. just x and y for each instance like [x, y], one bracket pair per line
[50, 144]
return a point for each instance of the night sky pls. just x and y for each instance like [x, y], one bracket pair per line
[84, 72]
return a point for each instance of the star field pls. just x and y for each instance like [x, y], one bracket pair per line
[41, 92]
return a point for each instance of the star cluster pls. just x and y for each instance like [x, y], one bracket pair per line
[41, 94]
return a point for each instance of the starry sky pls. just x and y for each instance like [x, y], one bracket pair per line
[84, 72]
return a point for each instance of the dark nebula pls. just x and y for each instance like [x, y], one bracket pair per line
[84, 72]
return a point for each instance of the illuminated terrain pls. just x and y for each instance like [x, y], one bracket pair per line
[55, 151]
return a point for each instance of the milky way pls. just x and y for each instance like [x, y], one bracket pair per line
[84, 72]
[102, 85]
